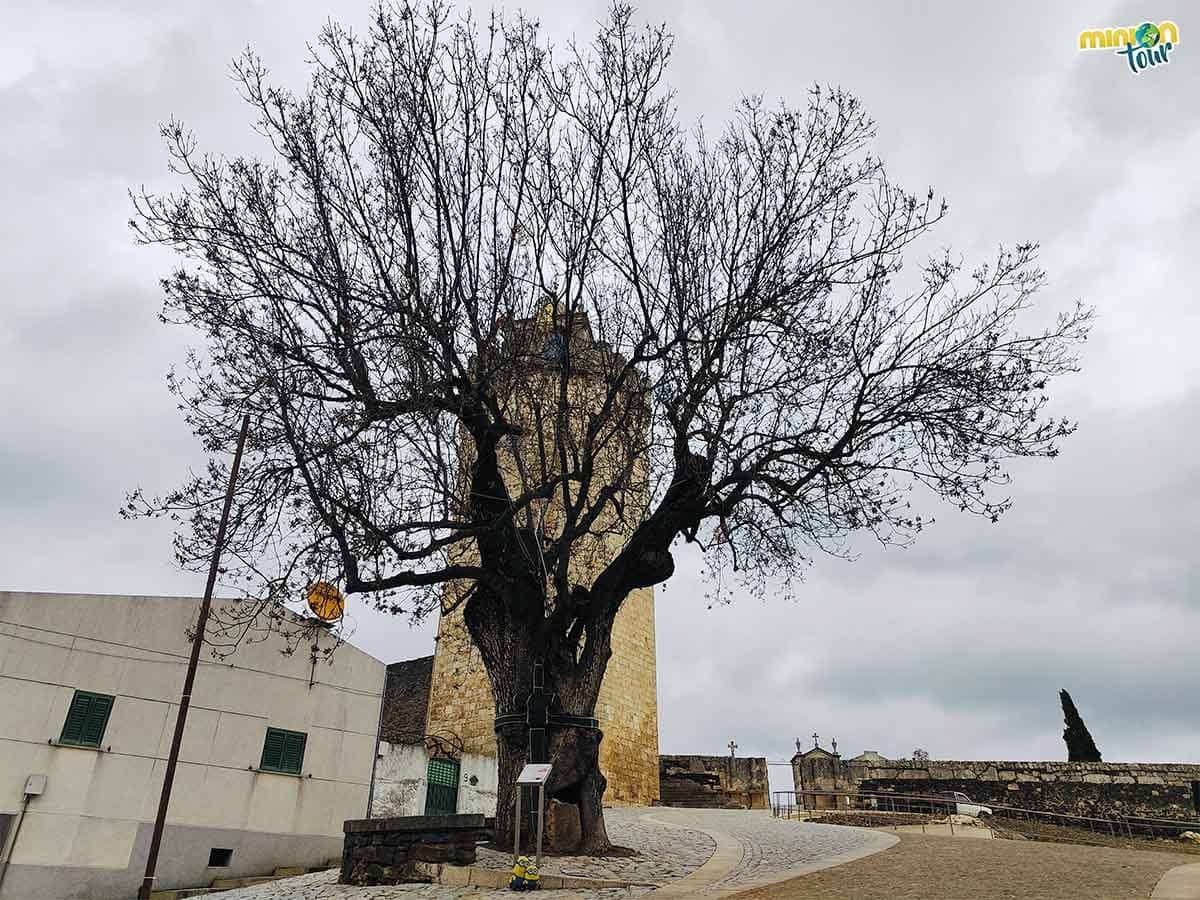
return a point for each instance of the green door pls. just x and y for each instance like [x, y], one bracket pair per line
[441, 788]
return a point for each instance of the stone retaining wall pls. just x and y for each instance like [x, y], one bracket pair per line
[1161, 790]
[391, 851]
[713, 782]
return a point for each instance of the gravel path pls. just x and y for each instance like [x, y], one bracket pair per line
[941, 868]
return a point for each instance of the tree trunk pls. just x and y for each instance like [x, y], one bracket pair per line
[510, 641]
[575, 778]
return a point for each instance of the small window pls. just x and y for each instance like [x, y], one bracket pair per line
[86, 719]
[283, 751]
[219, 858]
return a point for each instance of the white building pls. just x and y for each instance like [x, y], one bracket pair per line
[419, 773]
[276, 755]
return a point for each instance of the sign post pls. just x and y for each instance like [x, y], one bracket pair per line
[533, 774]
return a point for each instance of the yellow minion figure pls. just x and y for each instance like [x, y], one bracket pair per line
[532, 877]
[520, 870]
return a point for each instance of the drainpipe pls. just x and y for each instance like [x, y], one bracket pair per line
[34, 786]
[375, 758]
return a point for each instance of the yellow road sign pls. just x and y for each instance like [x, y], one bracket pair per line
[326, 601]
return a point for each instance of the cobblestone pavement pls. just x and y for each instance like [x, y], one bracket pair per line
[664, 854]
[671, 843]
[324, 886]
[772, 847]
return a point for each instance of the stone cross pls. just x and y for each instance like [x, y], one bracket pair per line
[814, 737]
[732, 749]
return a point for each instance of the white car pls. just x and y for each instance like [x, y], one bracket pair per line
[964, 807]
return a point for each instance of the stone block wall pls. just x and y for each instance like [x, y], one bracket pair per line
[389, 851]
[461, 700]
[628, 706]
[1155, 790]
[714, 782]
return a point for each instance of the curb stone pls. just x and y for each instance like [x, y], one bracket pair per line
[1179, 883]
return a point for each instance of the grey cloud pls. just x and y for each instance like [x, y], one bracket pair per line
[957, 644]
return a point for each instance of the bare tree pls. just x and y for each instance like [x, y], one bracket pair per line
[508, 332]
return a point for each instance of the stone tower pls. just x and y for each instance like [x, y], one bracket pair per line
[461, 703]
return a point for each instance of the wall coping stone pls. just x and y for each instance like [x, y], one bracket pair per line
[1014, 765]
[464, 822]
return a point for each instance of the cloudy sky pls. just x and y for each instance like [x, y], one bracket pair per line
[957, 645]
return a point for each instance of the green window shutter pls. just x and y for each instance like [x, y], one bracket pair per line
[293, 752]
[86, 719]
[72, 732]
[97, 720]
[272, 755]
[283, 751]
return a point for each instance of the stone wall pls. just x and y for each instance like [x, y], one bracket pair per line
[1140, 789]
[461, 700]
[401, 781]
[713, 782]
[391, 851]
[406, 701]
[1163, 790]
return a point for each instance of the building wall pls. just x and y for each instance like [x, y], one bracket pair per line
[400, 782]
[461, 701]
[460, 698]
[714, 782]
[1163, 790]
[87, 835]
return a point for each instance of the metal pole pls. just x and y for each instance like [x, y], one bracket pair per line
[11, 843]
[185, 698]
[378, 735]
[541, 810]
[517, 829]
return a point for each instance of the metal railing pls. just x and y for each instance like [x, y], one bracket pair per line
[792, 804]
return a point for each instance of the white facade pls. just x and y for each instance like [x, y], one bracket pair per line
[401, 782]
[87, 835]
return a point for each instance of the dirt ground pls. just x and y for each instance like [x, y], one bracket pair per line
[938, 868]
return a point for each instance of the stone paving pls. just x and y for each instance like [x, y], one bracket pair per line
[740, 848]
[324, 886]
[772, 847]
[664, 854]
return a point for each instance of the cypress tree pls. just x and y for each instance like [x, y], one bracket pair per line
[1080, 746]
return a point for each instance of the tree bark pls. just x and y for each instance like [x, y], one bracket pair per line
[575, 778]
[509, 648]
